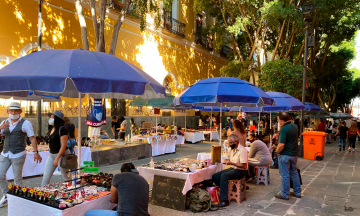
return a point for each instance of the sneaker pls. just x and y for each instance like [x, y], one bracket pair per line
[279, 196]
[353, 150]
[3, 202]
[293, 194]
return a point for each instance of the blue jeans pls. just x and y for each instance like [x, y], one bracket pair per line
[221, 179]
[287, 170]
[101, 212]
[343, 140]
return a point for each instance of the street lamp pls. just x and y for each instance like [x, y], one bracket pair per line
[308, 20]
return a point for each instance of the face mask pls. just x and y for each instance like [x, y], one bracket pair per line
[51, 121]
[14, 116]
[233, 146]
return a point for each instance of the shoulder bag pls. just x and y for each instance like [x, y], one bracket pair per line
[68, 161]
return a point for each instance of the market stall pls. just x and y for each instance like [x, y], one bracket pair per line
[196, 175]
[194, 136]
[32, 168]
[180, 140]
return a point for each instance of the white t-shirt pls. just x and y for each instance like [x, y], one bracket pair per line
[26, 128]
[124, 123]
[239, 156]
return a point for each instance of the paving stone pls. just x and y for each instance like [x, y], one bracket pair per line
[310, 202]
[298, 210]
[276, 209]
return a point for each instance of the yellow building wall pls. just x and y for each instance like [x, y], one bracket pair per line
[157, 52]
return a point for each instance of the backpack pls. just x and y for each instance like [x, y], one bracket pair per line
[198, 200]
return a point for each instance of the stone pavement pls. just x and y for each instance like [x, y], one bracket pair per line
[330, 187]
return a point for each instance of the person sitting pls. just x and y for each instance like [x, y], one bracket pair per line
[130, 191]
[259, 154]
[238, 159]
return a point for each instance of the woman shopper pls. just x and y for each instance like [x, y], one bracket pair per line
[57, 140]
[240, 132]
[353, 131]
[122, 127]
[328, 131]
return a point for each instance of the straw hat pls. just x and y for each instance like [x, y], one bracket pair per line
[14, 106]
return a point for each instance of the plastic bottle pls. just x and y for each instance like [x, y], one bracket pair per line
[152, 163]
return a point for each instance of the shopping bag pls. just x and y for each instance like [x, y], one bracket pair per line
[291, 183]
[215, 194]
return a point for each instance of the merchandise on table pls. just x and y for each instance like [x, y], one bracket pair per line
[67, 194]
[40, 148]
[186, 165]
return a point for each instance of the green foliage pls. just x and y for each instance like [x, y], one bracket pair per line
[283, 76]
[142, 7]
[236, 69]
[274, 12]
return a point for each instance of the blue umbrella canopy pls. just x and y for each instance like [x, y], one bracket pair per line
[70, 72]
[312, 107]
[224, 91]
[284, 102]
[213, 109]
[341, 116]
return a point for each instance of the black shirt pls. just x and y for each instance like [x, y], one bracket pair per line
[71, 129]
[343, 130]
[54, 140]
[133, 194]
[116, 124]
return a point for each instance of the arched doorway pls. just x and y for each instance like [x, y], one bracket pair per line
[168, 83]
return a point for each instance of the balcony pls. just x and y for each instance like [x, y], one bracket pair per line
[205, 42]
[174, 26]
[225, 50]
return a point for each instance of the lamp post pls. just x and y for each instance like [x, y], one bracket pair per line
[308, 19]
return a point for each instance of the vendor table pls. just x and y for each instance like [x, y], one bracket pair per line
[214, 135]
[18, 206]
[180, 140]
[31, 168]
[160, 147]
[194, 137]
[191, 178]
[207, 156]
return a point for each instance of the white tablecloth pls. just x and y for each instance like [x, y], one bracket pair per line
[214, 135]
[207, 156]
[191, 178]
[194, 137]
[160, 148]
[32, 168]
[180, 140]
[22, 207]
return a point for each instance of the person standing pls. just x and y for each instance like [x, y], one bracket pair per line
[122, 127]
[115, 127]
[353, 131]
[57, 140]
[343, 131]
[287, 151]
[358, 127]
[321, 126]
[15, 129]
[328, 131]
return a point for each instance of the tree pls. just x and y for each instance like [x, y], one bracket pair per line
[140, 7]
[283, 76]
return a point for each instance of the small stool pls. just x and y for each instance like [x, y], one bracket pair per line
[237, 190]
[263, 175]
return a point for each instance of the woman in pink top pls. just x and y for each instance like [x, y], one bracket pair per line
[240, 132]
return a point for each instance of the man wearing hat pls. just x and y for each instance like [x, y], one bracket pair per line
[15, 129]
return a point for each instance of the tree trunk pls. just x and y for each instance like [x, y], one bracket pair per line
[255, 42]
[101, 45]
[290, 45]
[321, 101]
[82, 25]
[301, 50]
[95, 22]
[278, 41]
[117, 27]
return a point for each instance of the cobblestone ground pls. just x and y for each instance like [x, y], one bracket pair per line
[330, 187]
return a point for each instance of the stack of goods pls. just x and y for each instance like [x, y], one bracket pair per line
[186, 165]
[40, 148]
[192, 130]
[67, 194]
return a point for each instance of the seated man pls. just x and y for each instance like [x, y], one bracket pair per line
[239, 164]
[259, 154]
[130, 191]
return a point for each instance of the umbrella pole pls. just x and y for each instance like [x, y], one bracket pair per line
[79, 133]
[270, 131]
[185, 120]
[258, 125]
[211, 119]
[220, 124]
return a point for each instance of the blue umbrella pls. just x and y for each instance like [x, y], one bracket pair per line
[224, 91]
[311, 107]
[284, 102]
[61, 72]
[71, 73]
